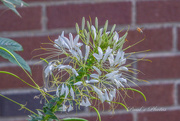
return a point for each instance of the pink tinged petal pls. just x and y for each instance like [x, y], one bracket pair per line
[100, 94]
[94, 31]
[78, 83]
[87, 52]
[75, 72]
[70, 108]
[111, 60]
[123, 68]
[108, 52]
[94, 76]
[95, 68]
[72, 93]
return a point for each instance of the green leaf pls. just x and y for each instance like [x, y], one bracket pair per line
[74, 119]
[14, 58]
[11, 4]
[10, 44]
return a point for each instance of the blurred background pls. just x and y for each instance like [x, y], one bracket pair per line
[160, 23]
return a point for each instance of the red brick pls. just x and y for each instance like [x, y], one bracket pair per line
[160, 116]
[158, 11]
[178, 38]
[68, 15]
[8, 81]
[155, 40]
[178, 94]
[156, 95]
[160, 68]
[30, 20]
[115, 117]
[29, 45]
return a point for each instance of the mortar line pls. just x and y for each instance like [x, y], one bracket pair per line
[44, 18]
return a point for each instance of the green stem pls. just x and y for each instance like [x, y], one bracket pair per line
[22, 106]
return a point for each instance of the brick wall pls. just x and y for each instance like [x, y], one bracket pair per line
[43, 18]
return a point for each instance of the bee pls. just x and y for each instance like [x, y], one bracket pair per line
[139, 30]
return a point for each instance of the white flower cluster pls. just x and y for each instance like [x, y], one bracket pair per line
[100, 69]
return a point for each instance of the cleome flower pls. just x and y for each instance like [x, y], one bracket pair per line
[96, 68]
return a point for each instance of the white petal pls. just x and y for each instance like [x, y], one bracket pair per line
[111, 59]
[78, 83]
[123, 68]
[70, 108]
[79, 44]
[57, 91]
[101, 31]
[72, 93]
[79, 52]
[94, 76]
[64, 107]
[100, 94]
[74, 53]
[94, 31]
[67, 91]
[87, 52]
[62, 34]
[64, 44]
[75, 72]
[64, 67]
[76, 39]
[71, 39]
[118, 55]
[48, 70]
[108, 52]
[98, 57]
[82, 103]
[116, 37]
[100, 52]
[93, 81]
[87, 102]
[106, 95]
[110, 75]
[66, 40]
[62, 89]
[99, 72]
[123, 80]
